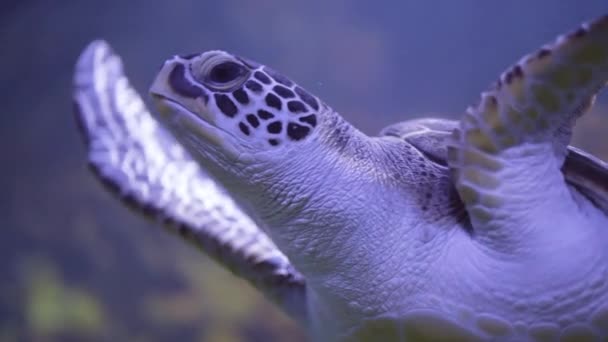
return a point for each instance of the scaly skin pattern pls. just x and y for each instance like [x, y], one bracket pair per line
[379, 230]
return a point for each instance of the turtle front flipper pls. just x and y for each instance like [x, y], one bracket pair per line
[507, 153]
[147, 169]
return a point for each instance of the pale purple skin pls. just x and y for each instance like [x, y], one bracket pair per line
[495, 231]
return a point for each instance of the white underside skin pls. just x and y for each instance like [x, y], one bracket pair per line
[554, 290]
[413, 280]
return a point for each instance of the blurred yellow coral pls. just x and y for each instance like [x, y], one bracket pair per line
[53, 307]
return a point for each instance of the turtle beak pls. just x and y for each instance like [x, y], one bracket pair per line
[172, 84]
[181, 105]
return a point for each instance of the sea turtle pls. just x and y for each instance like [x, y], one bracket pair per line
[435, 230]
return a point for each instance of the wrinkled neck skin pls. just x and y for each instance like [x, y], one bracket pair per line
[330, 207]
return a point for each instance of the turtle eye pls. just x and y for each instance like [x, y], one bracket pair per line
[220, 73]
[226, 72]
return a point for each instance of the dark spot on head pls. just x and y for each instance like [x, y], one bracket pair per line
[253, 120]
[542, 53]
[241, 96]
[261, 77]
[225, 105]
[306, 97]
[296, 131]
[283, 92]
[253, 86]
[273, 142]
[296, 107]
[309, 119]
[273, 101]
[274, 127]
[265, 115]
[181, 85]
[278, 77]
[244, 128]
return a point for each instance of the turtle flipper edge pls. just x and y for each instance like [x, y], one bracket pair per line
[143, 165]
[508, 150]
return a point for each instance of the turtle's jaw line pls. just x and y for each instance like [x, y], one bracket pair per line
[172, 104]
[184, 120]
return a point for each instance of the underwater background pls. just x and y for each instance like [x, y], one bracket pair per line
[76, 265]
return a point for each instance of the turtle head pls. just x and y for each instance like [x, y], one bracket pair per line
[237, 106]
[249, 126]
[293, 164]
